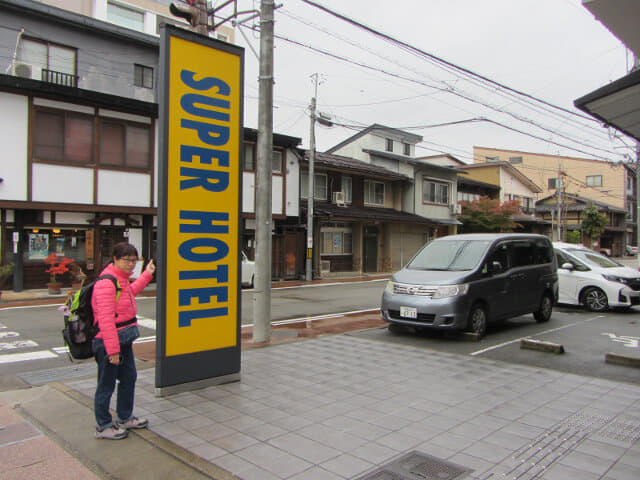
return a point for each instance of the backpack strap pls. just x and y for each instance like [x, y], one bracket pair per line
[115, 282]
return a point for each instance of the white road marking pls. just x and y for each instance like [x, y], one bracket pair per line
[18, 344]
[494, 347]
[9, 334]
[630, 342]
[22, 357]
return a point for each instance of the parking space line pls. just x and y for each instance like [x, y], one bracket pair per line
[495, 347]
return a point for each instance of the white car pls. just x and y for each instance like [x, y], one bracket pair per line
[248, 271]
[588, 278]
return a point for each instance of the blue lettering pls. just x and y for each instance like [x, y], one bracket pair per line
[188, 78]
[209, 133]
[188, 103]
[204, 217]
[205, 155]
[202, 294]
[221, 274]
[211, 180]
[184, 318]
[186, 250]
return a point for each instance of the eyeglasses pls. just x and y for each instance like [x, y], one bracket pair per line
[129, 260]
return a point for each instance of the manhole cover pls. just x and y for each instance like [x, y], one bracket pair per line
[42, 377]
[418, 466]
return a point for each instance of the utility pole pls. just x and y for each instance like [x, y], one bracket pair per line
[262, 283]
[558, 200]
[311, 189]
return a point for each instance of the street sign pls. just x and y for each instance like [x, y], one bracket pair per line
[200, 184]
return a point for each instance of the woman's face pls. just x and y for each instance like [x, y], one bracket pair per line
[126, 264]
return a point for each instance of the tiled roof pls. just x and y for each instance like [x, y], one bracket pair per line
[349, 212]
[338, 162]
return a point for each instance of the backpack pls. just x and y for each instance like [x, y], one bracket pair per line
[79, 329]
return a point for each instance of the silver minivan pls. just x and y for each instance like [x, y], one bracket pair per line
[461, 282]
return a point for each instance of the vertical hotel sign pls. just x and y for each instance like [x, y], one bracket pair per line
[198, 304]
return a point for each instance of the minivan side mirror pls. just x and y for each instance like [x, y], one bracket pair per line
[567, 266]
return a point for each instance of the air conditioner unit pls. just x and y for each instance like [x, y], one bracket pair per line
[338, 198]
[23, 70]
[456, 209]
[325, 266]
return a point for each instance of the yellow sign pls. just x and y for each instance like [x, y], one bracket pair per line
[203, 207]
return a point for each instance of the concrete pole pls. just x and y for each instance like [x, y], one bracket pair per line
[262, 283]
[311, 189]
[202, 19]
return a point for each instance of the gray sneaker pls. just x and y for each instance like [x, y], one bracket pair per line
[112, 433]
[134, 423]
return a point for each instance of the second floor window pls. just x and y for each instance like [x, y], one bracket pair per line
[249, 159]
[373, 192]
[63, 137]
[57, 64]
[594, 180]
[142, 76]
[319, 185]
[124, 144]
[346, 186]
[407, 149]
[435, 192]
[389, 145]
[276, 161]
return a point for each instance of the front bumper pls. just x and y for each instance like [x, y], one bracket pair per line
[445, 313]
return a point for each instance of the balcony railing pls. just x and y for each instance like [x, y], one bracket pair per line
[59, 78]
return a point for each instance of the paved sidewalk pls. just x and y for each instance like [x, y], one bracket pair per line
[331, 405]
[340, 407]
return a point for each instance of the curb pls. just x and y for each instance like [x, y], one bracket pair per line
[539, 345]
[626, 360]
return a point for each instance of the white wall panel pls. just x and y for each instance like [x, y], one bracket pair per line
[293, 185]
[72, 218]
[122, 188]
[248, 192]
[276, 195]
[53, 183]
[13, 138]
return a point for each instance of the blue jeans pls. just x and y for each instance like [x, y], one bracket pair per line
[125, 373]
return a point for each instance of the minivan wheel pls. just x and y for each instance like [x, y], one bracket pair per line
[595, 300]
[543, 314]
[477, 321]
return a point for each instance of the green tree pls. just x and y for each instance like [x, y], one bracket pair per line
[574, 236]
[593, 223]
[488, 215]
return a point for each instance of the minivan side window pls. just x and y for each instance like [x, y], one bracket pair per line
[543, 252]
[521, 253]
[500, 255]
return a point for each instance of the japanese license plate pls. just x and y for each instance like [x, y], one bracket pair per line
[409, 312]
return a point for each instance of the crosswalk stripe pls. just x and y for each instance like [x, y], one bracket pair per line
[22, 357]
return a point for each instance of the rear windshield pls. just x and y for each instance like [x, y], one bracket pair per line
[593, 258]
[450, 255]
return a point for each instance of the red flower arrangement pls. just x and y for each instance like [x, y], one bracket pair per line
[58, 265]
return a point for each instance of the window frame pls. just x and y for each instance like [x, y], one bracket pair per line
[142, 68]
[368, 192]
[389, 145]
[304, 182]
[590, 180]
[119, 6]
[124, 124]
[406, 148]
[437, 194]
[47, 64]
[348, 192]
[65, 115]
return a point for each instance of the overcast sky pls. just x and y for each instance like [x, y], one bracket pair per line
[554, 50]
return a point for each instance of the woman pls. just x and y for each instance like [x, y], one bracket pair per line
[114, 313]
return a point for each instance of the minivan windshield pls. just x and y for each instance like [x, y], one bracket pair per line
[450, 255]
[592, 258]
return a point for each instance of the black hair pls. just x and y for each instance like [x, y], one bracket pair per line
[124, 249]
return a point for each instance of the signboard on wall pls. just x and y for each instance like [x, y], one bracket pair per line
[198, 304]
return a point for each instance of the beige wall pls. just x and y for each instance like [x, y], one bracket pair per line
[540, 167]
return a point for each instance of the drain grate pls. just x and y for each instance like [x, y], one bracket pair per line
[42, 377]
[418, 466]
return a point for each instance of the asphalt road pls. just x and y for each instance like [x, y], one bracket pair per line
[586, 338]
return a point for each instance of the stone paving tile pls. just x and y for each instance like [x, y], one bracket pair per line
[316, 473]
[346, 465]
[589, 463]
[374, 453]
[304, 448]
[564, 472]
[234, 442]
[622, 471]
[610, 452]
[208, 451]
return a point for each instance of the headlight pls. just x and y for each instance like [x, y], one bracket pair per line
[451, 291]
[613, 278]
[389, 287]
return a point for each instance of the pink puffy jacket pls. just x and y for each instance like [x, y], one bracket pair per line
[103, 302]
